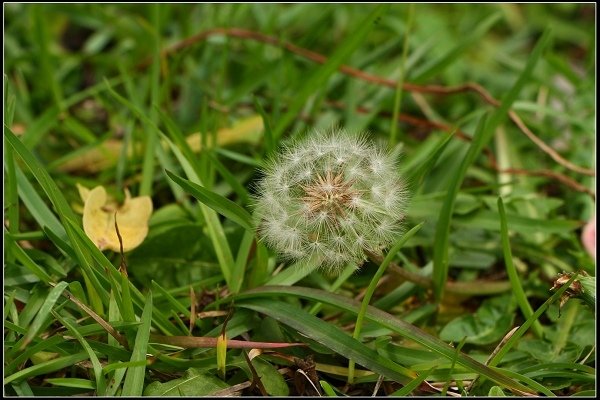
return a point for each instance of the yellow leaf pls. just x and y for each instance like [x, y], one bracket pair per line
[99, 219]
[105, 155]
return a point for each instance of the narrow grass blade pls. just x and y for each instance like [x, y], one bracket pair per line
[72, 382]
[386, 320]
[442, 230]
[62, 207]
[134, 380]
[220, 204]
[234, 182]
[42, 345]
[239, 269]
[511, 271]
[495, 360]
[25, 260]
[176, 305]
[400, 82]
[328, 389]
[318, 79]
[373, 284]
[414, 176]
[455, 52]
[535, 385]
[293, 273]
[412, 385]
[269, 139]
[484, 133]
[47, 367]
[44, 313]
[328, 335]
[151, 133]
[98, 375]
[160, 320]
[215, 229]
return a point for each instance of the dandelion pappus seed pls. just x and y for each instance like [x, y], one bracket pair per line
[341, 194]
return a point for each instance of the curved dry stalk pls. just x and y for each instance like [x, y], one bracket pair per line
[411, 87]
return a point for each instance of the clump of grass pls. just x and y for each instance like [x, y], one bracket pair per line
[183, 102]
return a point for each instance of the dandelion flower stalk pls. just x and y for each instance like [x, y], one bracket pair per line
[330, 198]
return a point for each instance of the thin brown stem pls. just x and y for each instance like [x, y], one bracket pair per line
[411, 87]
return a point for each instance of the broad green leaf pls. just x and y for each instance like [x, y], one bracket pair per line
[493, 319]
[271, 379]
[496, 391]
[194, 382]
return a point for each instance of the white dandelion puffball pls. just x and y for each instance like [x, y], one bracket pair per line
[330, 198]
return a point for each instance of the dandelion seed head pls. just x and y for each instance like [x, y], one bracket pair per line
[330, 197]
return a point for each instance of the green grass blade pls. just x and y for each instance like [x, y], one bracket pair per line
[134, 380]
[13, 248]
[241, 261]
[215, 229]
[414, 176]
[400, 82]
[151, 133]
[100, 381]
[442, 230]
[511, 271]
[160, 320]
[386, 320]
[237, 187]
[293, 273]
[495, 360]
[373, 284]
[412, 385]
[72, 382]
[177, 306]
[533, 384]
[220, 204]
[328, 335]
[44, 313]
[47, 367]
[270, 142]
[328, 389]
[454, 53]
[63, 209]
[318, 79]
[483, 135]
[42, 345]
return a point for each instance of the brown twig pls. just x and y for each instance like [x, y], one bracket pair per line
[424, 123]
[410, 87]
[112, 331]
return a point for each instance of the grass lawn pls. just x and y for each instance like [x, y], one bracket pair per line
[183, 217]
